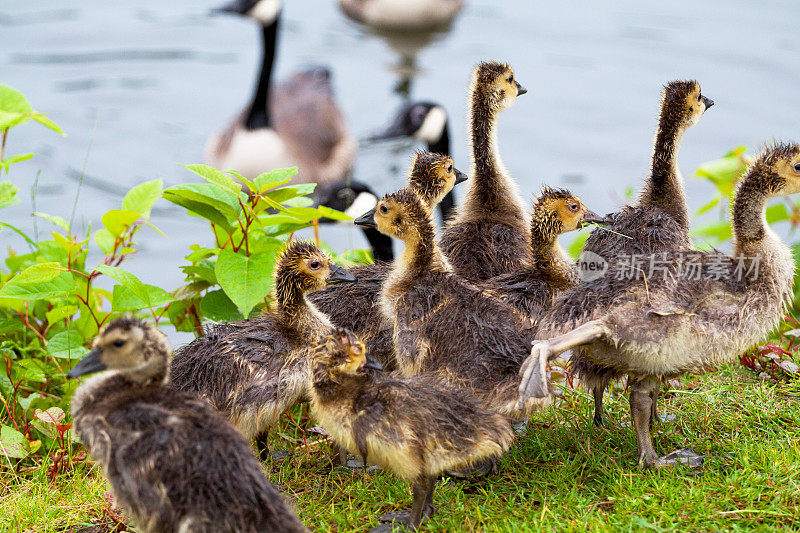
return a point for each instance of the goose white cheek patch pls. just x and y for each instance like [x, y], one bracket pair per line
[433, 125]
[266, 11]
[363, 203]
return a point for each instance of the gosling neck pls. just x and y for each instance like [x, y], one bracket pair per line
[297, 312]
[550, 260]
[750, 229]
[420, 255]
[664, 188]
[491, 192]
[258, 116]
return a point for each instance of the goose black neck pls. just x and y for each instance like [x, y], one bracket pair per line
[258, 115]
[381, 244]
[664, 188]
[442, 146]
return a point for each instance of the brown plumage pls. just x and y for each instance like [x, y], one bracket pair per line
[551, 270]
[700, 309]
[442, 323]
[355, 306]
[253, 370]
[173, 463]
[489, 235]
[660, 221]
[416, 427]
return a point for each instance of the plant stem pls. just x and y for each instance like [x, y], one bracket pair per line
[3, 146]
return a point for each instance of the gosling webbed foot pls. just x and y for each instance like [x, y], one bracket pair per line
[402, 518]
[684, 456]
[534, 374]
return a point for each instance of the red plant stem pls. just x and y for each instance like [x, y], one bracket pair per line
[3, 146]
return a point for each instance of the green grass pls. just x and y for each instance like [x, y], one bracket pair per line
[564, 475]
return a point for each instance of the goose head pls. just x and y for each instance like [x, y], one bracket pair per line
[423, 121]
[433, 175]
[561, 211]
[683, 103]
[344, 355]
[494, 86]
[128, 345]
[780, 167]
[265, 12]
[303, 267]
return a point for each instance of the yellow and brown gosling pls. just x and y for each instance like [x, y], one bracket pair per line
[173, 463]
[355, 305]
[489, 235]
[532, 289]
[660, 220]
[416, 427]
[443, 324]
[253, 370]
[697, 311]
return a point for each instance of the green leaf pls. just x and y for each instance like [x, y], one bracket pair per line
[18, 232]
[710, 205]
[117, 221]
[60, 312]
[777, 213]
[45, 121]
[576, 246]
[282, 194]
[26, 402]
[245, 280]
[216, 177]
[66, 345]
[250, 184]
[333, 214]
[14, 107]
[7, 162]
[39, 281]
[8, 194]
[221, 206]
[104, 240]
[124, 299]
[141, 198]
[58, 221]
[216, 306]
[32, 370]
[274, 178]
[148, 295]
[13, 443]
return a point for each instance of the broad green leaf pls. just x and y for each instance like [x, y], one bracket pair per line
[718, 231]
[26, 402]
[141, 198]
[777, 213]
[60, 312]
[220, 199]
[53, 415]
[66, 345]
[14, 107]
[245, 280]
[199, 253]
[216, 306]
[201, 210]
[282, 194]
[124, 299]
[71, 248]
[13, 443]
[238, 176]
[58, 221]
[274, 178]
[8, 194]
[725, 172]
[31, 370]
[45, 121]
[7, 162]
[576, 246]
[300, 201]
[39, 281]
[117, 221]
[203, 270]
[6, 388]
[333, 214]
[219, 178]
[149, 295]
[104, 240]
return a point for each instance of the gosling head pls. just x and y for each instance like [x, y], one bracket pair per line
[265, 12]
[402, 215]
[560, 211]
[130, 346]
[302, 267]
[424, 121]
[780, 167]
[683, 104]
[494, 85]
[344, 355]
[433, 175]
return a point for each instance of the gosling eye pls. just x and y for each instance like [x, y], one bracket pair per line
[119, 343]
[511, 79]
[449, 169]
[573, 207]
[384, 209]
[797, 167]
[699, 96]
[314, 265]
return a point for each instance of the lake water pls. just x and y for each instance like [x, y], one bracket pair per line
[140, 85]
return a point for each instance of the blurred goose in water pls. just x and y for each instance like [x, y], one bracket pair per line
[295, 122]
[403, 15]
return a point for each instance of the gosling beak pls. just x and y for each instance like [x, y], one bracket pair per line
[590, 217]
[520, 89]
[373, 364]
[460, 177]
[234, 6]
[367, 220]
[708, 101]
[340, 274]
[88, 365]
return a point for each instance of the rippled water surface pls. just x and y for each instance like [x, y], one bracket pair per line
[140, 85]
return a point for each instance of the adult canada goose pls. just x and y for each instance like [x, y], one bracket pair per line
[172, 462]
[253, 370]
[444, 325]
[659, 221]
[356, 306]
[293, 123]
[426, 122]
[403, 15]
[694, 312]
[489, 235]
[416, 427]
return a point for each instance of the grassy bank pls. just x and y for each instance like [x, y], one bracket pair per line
[563, 475]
